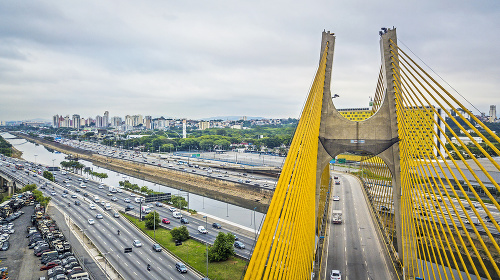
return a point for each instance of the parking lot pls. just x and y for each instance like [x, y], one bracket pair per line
[21, 262]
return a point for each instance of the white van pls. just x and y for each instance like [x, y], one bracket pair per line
[107, 206]
[177, 215]
[80, 276]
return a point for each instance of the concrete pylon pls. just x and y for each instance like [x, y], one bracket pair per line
[377, 135]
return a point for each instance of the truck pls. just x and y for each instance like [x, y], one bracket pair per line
[336, 216]
[107, 206]
[145, 209]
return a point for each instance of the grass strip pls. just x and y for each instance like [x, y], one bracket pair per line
[193, 253]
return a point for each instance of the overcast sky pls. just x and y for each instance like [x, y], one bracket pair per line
[198, 59]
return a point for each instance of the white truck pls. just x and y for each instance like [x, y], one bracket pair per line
[336, 216]
[145, 209]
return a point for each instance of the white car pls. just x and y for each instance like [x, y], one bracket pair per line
[91, 221]
[92, 206]
[53, 193]
[127, 200]
[335, 275]
[177, 215]
[172, 209]
[137, 243]
[101, 187]
[336, 198]
[99, 216]
[202, 229]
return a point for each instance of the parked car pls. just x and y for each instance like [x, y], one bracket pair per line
[5, 246]
[50, 265]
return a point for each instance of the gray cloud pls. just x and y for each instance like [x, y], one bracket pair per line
[203, 58]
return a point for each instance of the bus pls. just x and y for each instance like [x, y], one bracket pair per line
[19, 166]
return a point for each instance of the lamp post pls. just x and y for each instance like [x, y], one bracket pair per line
[206, 243]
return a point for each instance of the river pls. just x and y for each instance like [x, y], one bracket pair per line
[220, 209]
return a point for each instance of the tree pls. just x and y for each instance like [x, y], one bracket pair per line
[30, 187]
[180, 233]
[48, 175]
[222, 248]
[179, 201]
[152, 220]
[144, 189]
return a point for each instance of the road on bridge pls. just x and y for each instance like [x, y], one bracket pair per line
[353, 246]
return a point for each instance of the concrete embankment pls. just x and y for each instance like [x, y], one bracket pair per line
[238, 194]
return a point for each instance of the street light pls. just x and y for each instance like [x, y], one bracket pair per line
[206, 244]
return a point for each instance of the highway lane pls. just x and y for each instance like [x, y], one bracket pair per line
[353, 246]
[92, 188]
[176, 163]
[104, 235]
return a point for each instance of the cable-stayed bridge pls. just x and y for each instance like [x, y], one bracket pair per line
[428, 174]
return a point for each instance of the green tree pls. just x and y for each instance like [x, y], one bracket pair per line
[144, 189]
[179, 201]
[30, 187]
[180, 233]
[222, 248]
[152, 220]
[48, 175]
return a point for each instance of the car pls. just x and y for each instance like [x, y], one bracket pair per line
[116, 215]
[99, 216]
[184, 221]
[77, 190]
[335, 177]
[91, 221]
[172, 209]
[157, 247]
[335, 275]
[50, 265]
[337, 182]
[129, 207]
[165, 221]
[85, 194]
[114, 198]
[202, 229]
[137, 243]
[239, 245]
[336, 198]
[101, 187]
[181, 267]
[52, 193]
[127, 200]
[65, 191]
[92, 206]
[177, 215]
[64, 195]
[77, 202]
[216, 225]
[5, 246]
[73, 196]
[110, 194]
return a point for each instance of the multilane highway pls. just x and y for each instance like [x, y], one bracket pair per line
[353, 245]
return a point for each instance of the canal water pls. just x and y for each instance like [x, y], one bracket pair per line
[222, 210]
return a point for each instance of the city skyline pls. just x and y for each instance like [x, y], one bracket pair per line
[204, 60]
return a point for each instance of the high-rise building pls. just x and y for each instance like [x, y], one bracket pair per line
[105, 119]
[147, 122]
[98, 122]
[67, 121]
[116, 121]
[204, 125]
[493, 113]
[55, 121]
[76, 121]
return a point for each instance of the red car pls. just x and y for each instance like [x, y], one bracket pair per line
[49, 265]
[165, 221]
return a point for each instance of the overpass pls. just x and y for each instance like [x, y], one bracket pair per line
[430, 195]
